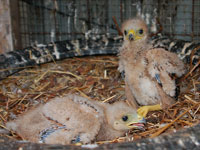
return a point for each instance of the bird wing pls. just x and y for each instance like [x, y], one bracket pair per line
[159, 58]
[161, 64]
[70, 107]
[76, 114]
[29, 124]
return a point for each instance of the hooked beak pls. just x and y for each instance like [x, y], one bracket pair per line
[139, 124]
[131, 35]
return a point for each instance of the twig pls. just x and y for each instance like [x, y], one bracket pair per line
[106, 100]
[54, 47]
[42, 76]
[22, 99]
[2, 118]
[83, 94]
[190, 72]
[192, 54]
[38, 96]
[117, 26]
[44, 86]
[105, 61]
[190, 99]
[2, 126]
[171, 123]
[197, 110]
[66, 72]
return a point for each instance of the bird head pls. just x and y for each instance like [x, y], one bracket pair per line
[122, 117]
[129, 121]
[134, 30]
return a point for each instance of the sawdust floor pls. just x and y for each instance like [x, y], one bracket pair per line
[96, 78]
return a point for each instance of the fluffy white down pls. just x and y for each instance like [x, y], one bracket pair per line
[148, 87]
[11, 125]
[149, 92]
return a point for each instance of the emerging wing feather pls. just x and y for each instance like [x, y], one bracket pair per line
[161, 65]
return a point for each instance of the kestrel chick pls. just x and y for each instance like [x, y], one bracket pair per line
[148, 70]
[74, 119]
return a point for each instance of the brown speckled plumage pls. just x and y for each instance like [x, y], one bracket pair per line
[148, 70]
[73, 119]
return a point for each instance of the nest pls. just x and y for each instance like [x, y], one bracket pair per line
[95, 78]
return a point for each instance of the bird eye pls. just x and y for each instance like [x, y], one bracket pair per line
[125, 118]
[140, 31]
[125, 32]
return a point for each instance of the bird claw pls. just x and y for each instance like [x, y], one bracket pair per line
[145, 109]
[142, 111]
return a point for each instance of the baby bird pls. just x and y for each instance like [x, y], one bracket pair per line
[74, 119]
[148, 70]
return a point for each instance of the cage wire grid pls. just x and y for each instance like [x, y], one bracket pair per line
[45, 21]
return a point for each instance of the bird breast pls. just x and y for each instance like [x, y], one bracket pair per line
[141, 84]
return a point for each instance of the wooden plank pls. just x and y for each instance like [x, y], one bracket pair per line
[15, 23]
[184, 139]
[5, 28]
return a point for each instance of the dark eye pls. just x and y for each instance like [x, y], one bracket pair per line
[125, 118]
[125, 32]
[140, 31]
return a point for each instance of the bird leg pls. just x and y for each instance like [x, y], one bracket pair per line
[145, 109]
[168, 84]
[166, 101]
[129, 97]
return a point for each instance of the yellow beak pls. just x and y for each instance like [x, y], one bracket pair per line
[137, 123]
[133, 35]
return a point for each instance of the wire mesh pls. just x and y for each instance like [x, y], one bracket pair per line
[45, 21]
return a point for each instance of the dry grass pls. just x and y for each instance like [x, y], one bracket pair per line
[96, 78]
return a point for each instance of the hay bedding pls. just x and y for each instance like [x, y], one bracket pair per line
[96, 78]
